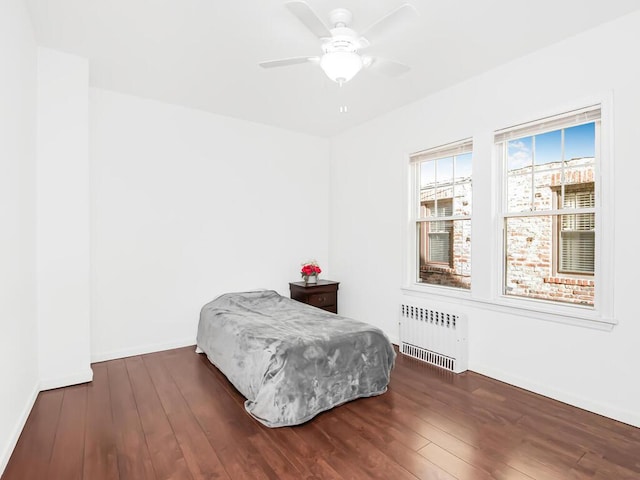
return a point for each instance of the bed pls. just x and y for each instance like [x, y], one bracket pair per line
[290, 360]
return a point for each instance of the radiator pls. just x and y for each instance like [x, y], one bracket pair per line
[434, 336]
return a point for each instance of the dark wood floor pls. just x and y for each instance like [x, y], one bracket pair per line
[171, 415]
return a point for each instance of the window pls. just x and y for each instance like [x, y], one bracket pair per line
[549, 207]
[442, 215]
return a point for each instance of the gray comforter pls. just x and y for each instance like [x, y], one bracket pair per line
[292, 361]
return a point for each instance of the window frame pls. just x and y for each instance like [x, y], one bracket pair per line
[487, 249]
[452, 149]
[601, 315]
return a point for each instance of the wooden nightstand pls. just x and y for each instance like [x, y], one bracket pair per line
[323, 294]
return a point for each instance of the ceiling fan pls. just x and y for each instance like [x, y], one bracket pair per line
[341, 59]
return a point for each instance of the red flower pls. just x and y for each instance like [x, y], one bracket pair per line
[310, 268]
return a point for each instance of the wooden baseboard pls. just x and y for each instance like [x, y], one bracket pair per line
[74, 379]
[141, 350]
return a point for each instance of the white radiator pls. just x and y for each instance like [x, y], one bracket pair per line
[434, 336]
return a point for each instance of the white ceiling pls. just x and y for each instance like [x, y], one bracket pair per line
[204, 54]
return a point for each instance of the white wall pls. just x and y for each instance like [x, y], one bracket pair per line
[18, 326]
[592, 369]
[186, 205]
[63, 219]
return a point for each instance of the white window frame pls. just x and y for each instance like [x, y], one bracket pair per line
[447, 150]
[601, 315]
[487, 195]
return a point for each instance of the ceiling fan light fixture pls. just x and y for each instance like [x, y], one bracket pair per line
[341, 66]
[340, 44]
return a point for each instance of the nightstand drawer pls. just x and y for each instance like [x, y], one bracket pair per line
[323, 294]
[323, 299]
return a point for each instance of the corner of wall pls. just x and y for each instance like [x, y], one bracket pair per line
[11, 442]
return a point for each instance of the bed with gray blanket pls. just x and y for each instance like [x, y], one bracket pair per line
[290, 360]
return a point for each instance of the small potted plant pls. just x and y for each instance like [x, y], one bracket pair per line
[310, 271]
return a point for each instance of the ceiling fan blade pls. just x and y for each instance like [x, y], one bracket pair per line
[307, 16]
[387, 67]
[288, 61]
[394, 20]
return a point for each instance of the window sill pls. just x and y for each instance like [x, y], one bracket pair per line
[585, 317]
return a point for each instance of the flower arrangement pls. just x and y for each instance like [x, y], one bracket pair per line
[310, 268]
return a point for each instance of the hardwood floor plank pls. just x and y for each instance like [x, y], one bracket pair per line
[496, 439]
[278, 462]
[331, 451]
[174, 415]
[166, 455]
[100, 452]
[134, 460]
[218, 415]
[201, 458]
[371, 460]
[68, 449]
[579, 439]
[458, 408]
[309, 461]
[599, 425]
[409, 458]
[482, 457]
[388, 431]
[423, 416]
[607, 469]
[450, 463]
[30, 458]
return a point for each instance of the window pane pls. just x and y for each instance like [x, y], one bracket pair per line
[444, 170]
[581, 172]
[445, 253]
[528, 255]
[582, 222]
[444, 208]
[427, 174]
[577, 232]
[519, 191]
[529, 259]
[542, 193]
[462, 200]
[440, 208]
[444, 177]
[463, 166]
[438, 245]
[462, 187]
[577, 249]
[579, 199]
[519, 153]
[427, 186]
[519, 171]
[548, 147]
[580, 141]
